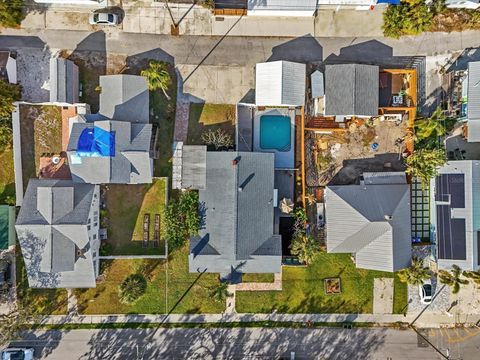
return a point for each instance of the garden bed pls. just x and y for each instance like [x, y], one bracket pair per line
[332, 286]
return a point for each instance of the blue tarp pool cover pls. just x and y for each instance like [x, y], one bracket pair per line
[392, 2]
[95, 142]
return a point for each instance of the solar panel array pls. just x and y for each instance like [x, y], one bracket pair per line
[451, 236]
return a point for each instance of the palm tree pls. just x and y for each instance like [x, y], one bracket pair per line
[158, 76]
[415, 274]
[473, 275]
[220, 291]
[452, 278]
[424, 163]
[132, 288]
[430, 127]
[305, 248]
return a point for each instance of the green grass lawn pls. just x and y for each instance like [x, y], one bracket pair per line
[7, 176]
[303, 289]
[39, 301]
[263, 278]
[126, 205]
[209, 116]
[182, 293]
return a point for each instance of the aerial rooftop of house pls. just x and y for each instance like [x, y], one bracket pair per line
[457, 224]
[371, 220]
[57, 235]
[109, 151]
[238, 202]
[351, 89]
[280, 83]
[124, 98]
[114, 145]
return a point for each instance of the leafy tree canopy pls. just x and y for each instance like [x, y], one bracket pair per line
[11, 13]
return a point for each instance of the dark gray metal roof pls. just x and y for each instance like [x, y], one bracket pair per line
[124, 98]
[64, 81]
[238, 215]
[372, 221]
[131, 162]
[351, 89]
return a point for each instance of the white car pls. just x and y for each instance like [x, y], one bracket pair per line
[17, 354]
[426, 292]
[99, 18]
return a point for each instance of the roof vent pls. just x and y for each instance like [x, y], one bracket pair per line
[81, 253]
[234, 162]
[388, 217]
[240, 188]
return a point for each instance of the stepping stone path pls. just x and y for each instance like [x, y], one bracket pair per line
[383, 296]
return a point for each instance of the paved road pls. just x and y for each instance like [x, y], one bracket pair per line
[254, 343]
[242, 51]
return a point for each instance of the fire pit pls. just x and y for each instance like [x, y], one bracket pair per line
[332, 286]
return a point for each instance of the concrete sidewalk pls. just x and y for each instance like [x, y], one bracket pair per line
[154, 18]
[424, 321]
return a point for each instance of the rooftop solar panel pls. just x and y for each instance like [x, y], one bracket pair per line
[451, 236]
[452, 186]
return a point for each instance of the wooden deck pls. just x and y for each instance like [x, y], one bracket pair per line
[324, 123]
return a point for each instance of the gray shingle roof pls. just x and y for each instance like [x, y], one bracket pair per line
[124, 98]
[51, 226]
[351, 89]
[64, 82]
[238, 214]
[372, 221]
[131, 163]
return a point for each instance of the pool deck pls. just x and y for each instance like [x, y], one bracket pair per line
[283, 159]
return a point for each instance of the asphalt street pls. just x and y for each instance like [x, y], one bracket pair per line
[253, 343]
[241, 51]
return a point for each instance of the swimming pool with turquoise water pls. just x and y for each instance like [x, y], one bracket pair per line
[275, 132]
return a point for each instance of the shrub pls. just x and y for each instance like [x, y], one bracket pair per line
[408, 18]
[181, 219]
[132, 288]
[218, 138]
[423, 164]
[11, 14]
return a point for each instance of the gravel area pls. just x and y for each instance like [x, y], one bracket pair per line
[440, 303]
[33, 73]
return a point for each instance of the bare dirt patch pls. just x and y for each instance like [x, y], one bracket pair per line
[341, 157]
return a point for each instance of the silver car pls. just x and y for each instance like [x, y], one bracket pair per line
[99, 18]
[17, 354]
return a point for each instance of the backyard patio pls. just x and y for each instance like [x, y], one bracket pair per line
[124, 214]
